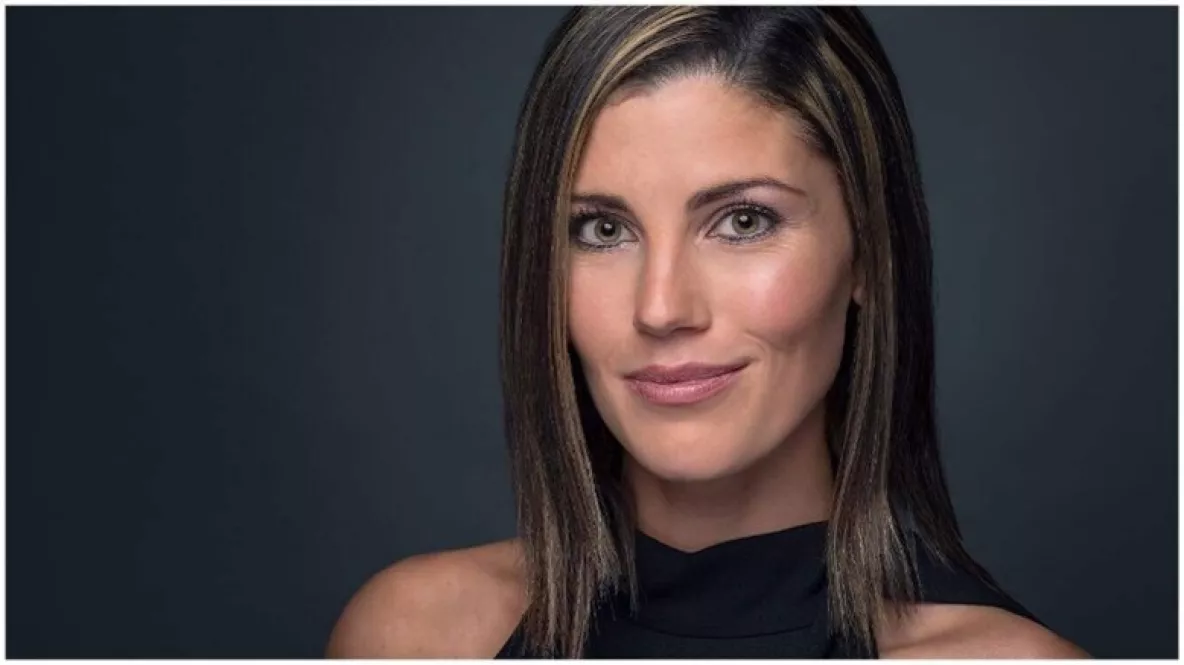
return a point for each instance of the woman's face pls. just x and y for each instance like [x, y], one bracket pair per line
[675, 260]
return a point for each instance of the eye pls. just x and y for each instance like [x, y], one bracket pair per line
[596, 231]
[745, 224]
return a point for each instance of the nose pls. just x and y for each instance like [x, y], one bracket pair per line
[669, 297]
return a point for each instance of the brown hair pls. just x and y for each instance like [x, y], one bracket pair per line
[825, 67]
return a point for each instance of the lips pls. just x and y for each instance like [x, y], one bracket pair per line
[682, 373]
[684, 384]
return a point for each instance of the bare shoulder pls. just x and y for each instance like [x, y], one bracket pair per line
[971, 631]
[455, 604]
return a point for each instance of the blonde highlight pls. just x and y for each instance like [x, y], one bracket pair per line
[824, 67]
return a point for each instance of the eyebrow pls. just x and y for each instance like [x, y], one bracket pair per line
[701, 198]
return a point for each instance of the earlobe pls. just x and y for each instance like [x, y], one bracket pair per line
[857, 293]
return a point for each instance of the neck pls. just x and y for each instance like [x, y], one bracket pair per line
[790, 486]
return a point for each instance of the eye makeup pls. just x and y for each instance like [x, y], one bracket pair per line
[589, 214]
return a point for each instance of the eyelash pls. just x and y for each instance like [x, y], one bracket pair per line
[742, 205]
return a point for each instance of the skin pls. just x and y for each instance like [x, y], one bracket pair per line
[670, 290]
[701, 286]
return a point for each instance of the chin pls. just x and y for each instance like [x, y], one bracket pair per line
[687, 447]
[690, 460]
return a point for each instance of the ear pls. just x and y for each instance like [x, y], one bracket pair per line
[858, 293]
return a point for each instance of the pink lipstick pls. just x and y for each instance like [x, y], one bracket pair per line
[683, 384]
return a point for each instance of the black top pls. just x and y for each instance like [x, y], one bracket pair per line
[761, 596]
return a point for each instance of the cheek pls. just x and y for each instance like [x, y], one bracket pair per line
[793, 309]
[598, 314]
[600, 327]
[781, 299]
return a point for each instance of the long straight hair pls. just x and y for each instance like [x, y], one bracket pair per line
[826, 69]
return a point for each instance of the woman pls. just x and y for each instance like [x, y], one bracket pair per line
[717, 356]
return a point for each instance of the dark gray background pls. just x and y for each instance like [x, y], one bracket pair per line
[252, 285]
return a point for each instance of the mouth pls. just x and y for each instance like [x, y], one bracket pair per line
[684, 384]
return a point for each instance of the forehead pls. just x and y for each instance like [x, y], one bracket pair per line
[689, 132]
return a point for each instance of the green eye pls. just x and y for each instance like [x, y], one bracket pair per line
[606, 230]
[744, 224]
[597, 231]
